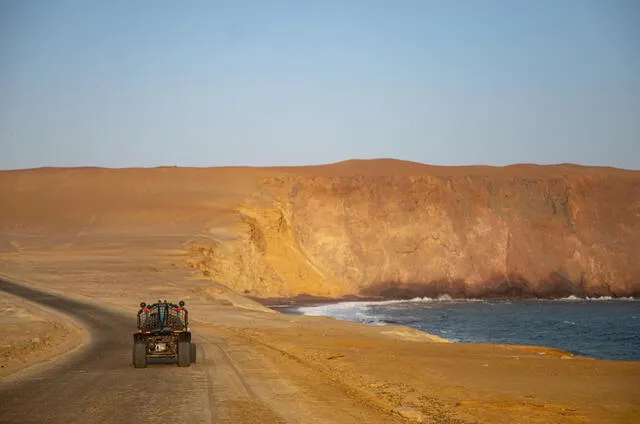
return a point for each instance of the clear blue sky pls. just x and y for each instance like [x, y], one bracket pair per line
[147, 83]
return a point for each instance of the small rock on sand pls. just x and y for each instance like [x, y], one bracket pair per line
[411, 413]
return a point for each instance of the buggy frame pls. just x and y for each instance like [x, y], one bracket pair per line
[163, 332]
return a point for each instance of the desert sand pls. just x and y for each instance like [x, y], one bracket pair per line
[27, 333]
[213, 236]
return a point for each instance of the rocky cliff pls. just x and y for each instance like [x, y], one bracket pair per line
[385, 228]
[401, 230]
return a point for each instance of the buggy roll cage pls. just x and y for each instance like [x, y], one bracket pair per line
[163, 316]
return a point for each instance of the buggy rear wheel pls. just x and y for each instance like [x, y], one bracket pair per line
[192, 350]
[184, 354]
[140, 355]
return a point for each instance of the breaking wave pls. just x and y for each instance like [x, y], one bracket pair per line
[379, 312]
[369, 312]
[348, 311]
[573, 298]
[363, 311]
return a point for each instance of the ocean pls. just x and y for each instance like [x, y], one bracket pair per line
[602, 328]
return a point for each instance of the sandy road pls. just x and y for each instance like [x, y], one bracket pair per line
[234, 381]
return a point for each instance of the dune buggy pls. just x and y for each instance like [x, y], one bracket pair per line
[163, 332]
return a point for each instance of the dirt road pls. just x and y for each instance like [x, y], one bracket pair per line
[232, 382]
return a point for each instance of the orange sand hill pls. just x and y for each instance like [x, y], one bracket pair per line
[380, 227]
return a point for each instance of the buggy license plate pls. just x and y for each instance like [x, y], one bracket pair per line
[161, 347]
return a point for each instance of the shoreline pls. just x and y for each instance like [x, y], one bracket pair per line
[355, 310]
[309, 300]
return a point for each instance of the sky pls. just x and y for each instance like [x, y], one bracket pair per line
[268, 82]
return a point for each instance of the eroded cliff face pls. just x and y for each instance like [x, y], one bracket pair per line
[532, 231]
[262, 257]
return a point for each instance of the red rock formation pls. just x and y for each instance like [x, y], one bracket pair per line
[514, 231]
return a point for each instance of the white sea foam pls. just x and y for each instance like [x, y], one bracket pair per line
[573, 298]
[441, 298]
[348, 311]
[348, 305]
[361, 311]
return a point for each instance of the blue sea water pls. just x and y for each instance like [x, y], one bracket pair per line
[598, 328]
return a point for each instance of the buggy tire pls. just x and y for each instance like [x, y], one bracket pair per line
[184, 354]
[192, 351]
[139, 355]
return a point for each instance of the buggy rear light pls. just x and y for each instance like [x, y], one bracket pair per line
[148, 332]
